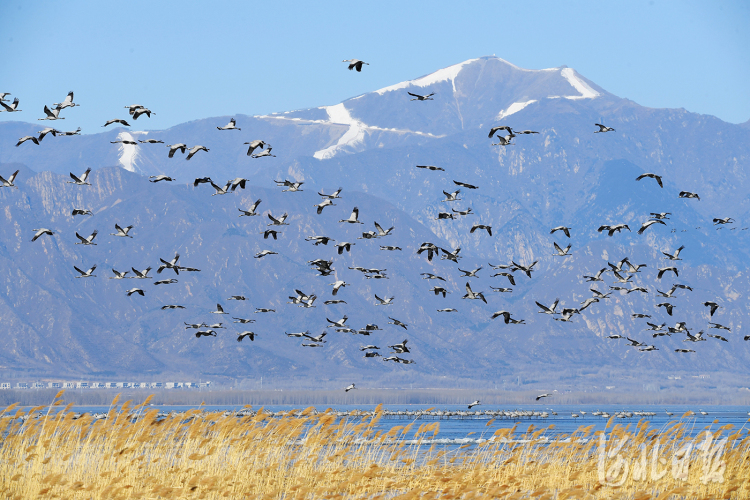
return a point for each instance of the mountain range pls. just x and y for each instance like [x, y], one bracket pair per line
[56, 325]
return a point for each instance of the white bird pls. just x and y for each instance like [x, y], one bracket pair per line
[481, 226]
[159, 178]
[52, 114]
[67, 102]
[40, 232]
[349, 388]
[172, 264]
[173, 148]
[10, 108]
[507, 318]
[725, 220]
[9, 181]
[355, 64]
[118, 275]
[246, 334]
[243, 320]
[650, 223]
[165, 282]
[384, 302]
[74, 132]
[663, 270]
[121, 122]
[252, 146]
[504, 141]
[86, 274]
[278, 221]
[603, 128]
[353, 218]
[561, 252]
[564, 229]
[688, 194]
[80, 181]
[263, 253]
[713, 305]
[431, 167]
[135, 290]
[470, 274]
[400, 348]
[470, 294]
[418, 97]
[141, 274]
[337, 285]
[545, 395]
[27, 138]
[142, 111]
[323, 204]
[219, 310]
[123, 233]
[332, 196]
[475, 403]
[548, 310]
[265, 152]
[396, 322]
[194, 150]
[338, 324]
[88, 240]
[48, 130]
[251, 211]
[220, 190]
[232, 125]
[151, 141]
[344, 245]
[383, 232]
[652, 176]
[494, 130]
[131, 109]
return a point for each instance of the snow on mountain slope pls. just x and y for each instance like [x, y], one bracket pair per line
[586, 91]
[446, 74]
[514, 108]
[129, 153]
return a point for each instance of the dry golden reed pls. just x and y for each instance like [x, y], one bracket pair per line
[305, 454]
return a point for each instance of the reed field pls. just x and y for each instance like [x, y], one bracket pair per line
[132, 453]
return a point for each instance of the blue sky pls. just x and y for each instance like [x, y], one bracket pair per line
[188, 60]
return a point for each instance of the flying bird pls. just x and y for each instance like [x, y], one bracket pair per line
[173, 148]
[253, 145]
[121, 122]
[355, 64]
[603, 128]
[232, 125]
[9, 181]
[650, 223]
[652, 176]
[40, 232]
[418, 97]
[431, 167]
[52, 114]
[194, 150]
[27, 138]
[688, 194]
[80, 181]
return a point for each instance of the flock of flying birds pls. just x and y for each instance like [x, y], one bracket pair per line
[622, 272]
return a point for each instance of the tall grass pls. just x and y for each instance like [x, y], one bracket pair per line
[308, 455]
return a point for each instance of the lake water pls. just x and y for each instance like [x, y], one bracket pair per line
[468, 429]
